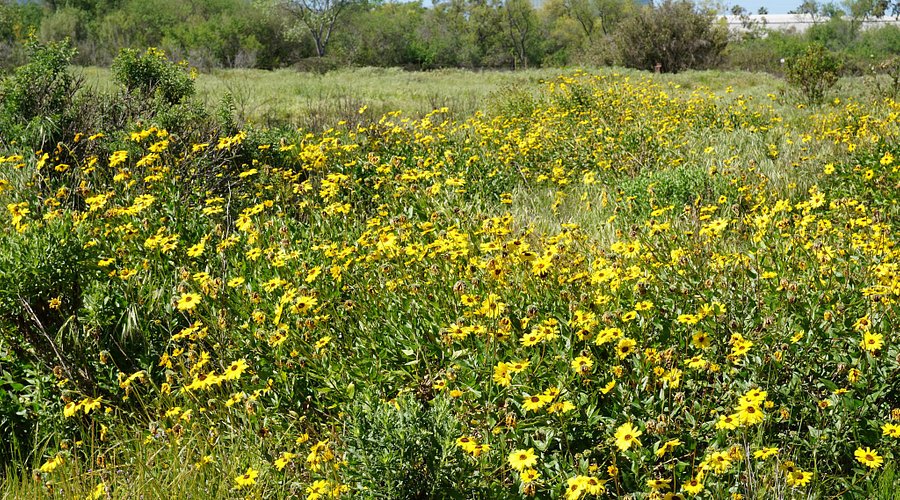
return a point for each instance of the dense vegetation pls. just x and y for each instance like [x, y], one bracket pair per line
[611, 282]
[321, 35]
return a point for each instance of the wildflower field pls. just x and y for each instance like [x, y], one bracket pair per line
[609, 285]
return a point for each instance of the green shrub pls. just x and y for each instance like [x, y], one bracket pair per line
[834, 34]
[889, 85]
[764, 54]
[67, 23]
[36, 98]
[24, 393]
[58, 315]
[675, 35]
[678, 186]
[813, 73]
[513, 101]
[163, 92]
[152, 74]
[42, 277]
[402, 449]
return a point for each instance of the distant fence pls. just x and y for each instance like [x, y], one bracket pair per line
[795, 22]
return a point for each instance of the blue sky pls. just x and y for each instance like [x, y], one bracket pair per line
[774, 6]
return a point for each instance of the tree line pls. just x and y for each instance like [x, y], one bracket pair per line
[668, 35]
[330, 33]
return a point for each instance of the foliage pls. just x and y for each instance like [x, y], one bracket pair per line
[680, 186]
[519, 23]
[152, 74]
[858, 48]
[23, 396]
[890, 68]
[611, 282]
[385, 36]
[674, 34]
[17, 21]
[403, 446]
[319, 18]
[813, 73]
[41, 289]
[833, 34]
[270, 34]
[38, 96]
[764, 54]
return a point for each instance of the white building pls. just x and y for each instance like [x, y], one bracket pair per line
[796, 22]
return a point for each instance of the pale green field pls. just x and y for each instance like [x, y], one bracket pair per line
[317, 101]
[314, 100]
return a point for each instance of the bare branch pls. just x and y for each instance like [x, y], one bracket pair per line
[318, 17]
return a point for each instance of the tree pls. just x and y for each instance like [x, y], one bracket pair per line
[584, 13]
[520, 25]
[382, 35]
[810, 8]
[752, 28]
[813, 72]
[675, 35]
[319, 18]
[593, 14]
[561, 36]
[864, 9]
[831, 10]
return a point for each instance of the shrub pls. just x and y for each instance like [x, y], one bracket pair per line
[404, 447]
[42, 278]
[24, 393]
[67, 23]
[513, 101]
[678, 186]
[764, 54]
[835, 34]
[675, 35]
[58, 316]
[890, 68]
[151, 74]
[36, 98]
[813, 73]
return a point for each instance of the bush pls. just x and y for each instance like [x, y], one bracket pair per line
[835, 34]
[24, 393]
[674, 35]
[319, 65]
[151, 74]
[764, 54]
[166, 91]
[404, 447]
[513, 101]
[67, 23]
[890, 68]
[17, 20]
[37, 97]
[42, 278]
[813, 73]
[678, 186]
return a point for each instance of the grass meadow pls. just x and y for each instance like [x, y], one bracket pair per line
[383, 284]
[319, 101]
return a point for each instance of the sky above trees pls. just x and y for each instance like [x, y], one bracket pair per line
[773, 6]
